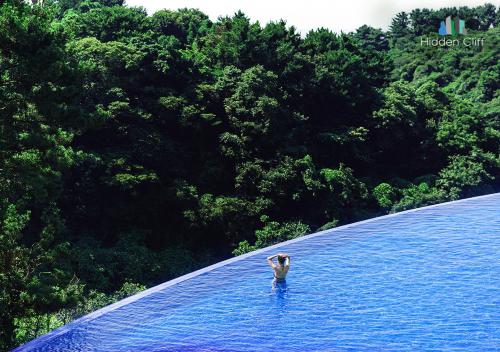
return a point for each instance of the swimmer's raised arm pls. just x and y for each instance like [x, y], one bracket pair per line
[270, 260]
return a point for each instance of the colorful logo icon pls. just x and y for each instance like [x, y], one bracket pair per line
[452, 26]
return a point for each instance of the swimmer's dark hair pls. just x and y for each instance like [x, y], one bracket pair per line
[281, 259]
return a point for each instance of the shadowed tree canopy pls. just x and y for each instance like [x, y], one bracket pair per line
[135, 148]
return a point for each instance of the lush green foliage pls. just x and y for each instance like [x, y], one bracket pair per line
[136, 148]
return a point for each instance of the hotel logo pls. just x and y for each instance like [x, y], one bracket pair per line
[452, 26]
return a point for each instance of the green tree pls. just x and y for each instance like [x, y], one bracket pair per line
[400, 25]
[36, 100]
[135, 148]
[273, 232]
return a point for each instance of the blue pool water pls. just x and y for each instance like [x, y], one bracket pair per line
[416, 281]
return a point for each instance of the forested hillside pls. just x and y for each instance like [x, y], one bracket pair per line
[135, 148]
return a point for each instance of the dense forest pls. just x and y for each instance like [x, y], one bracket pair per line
[135, 148]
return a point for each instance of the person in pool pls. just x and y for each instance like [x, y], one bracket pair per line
[281, 269]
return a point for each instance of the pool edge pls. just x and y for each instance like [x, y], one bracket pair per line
[91, 316]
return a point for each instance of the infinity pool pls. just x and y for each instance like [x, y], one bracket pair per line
[427, 279]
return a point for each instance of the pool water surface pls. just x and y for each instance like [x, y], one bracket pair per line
[426, 279]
